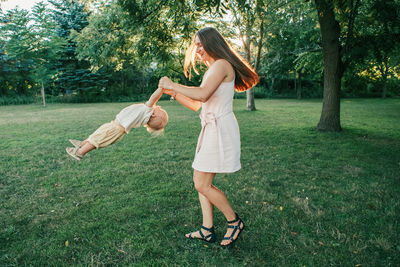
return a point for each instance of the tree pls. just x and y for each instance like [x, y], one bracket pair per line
[45, 46]
[161, 26]
[380, 35]
[72, 74]
[248, 18]
[16, 41]
[291, 49]
[106, 43]
[125, 46]
[131, 46]
[162, 30]
[330, 32]
[301, 24]
[333, 52]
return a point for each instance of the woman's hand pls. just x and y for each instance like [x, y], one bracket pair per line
[166, 83]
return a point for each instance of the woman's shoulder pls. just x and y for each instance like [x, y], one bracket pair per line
[223, 62]
[224, 67]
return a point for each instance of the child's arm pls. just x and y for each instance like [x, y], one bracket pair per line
[154, 97]
[184, 100]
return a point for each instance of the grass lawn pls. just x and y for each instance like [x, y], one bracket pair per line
[307, 198]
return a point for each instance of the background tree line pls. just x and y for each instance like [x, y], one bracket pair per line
[116, 50]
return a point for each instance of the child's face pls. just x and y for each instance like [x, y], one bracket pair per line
[158, 119]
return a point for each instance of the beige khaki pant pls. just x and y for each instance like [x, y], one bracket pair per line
[107, 134]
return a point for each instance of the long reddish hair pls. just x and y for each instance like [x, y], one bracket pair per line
[218, 48]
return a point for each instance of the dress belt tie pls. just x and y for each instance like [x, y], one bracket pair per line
[209, 118]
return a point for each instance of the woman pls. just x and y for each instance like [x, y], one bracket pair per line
[218, 147]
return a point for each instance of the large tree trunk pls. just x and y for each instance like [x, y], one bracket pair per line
[330, 31]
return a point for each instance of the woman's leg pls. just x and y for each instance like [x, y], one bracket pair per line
[210, 196]
[207, 209]
[203, 184]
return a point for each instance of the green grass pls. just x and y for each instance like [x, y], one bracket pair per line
[307, 198]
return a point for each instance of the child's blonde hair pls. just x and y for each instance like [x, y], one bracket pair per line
[153, 132]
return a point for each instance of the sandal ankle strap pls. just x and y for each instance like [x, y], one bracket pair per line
[208, 229]
[235, 220]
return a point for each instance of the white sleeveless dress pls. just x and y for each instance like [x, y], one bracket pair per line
[218, 146]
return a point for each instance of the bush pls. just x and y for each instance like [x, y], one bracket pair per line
[18, 100]
[71, 98]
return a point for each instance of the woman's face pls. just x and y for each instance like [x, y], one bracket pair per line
[200, 52]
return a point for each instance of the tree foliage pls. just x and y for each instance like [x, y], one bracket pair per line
[72, 73]
[117, 49]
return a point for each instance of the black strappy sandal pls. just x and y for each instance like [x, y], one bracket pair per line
[208, 238]
[235, 229]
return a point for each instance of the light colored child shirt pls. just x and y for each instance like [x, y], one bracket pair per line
[134, 116]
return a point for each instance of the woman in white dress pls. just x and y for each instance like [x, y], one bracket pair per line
[218, 146]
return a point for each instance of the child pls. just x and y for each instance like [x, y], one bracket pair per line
[154, 118]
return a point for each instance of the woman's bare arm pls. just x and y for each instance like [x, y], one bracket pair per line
[218, 72]
[184, 100]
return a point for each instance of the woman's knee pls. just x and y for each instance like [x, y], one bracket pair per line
[202, 183]
[201, 187]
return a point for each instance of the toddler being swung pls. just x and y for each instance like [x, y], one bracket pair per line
[153, 117]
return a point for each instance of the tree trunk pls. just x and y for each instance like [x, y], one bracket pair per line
[43, 96]
[260, 43]
[244, 36]
[299, 86]
[250, 103]
[330, 32]
[384, 78]
[272, 84]
[384, 89]
[251, 106]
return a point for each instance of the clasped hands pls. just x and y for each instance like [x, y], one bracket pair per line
[166, 84]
